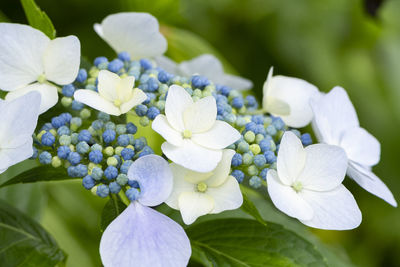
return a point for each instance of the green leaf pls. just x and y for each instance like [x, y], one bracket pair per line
[23, 242]
[244, 242]
[38, 19]
[3, 17]
[39, 174]
[249, 207]
[111, 210]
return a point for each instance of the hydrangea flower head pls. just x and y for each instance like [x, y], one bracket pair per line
[289, 98]
[308, 185]
[115, 95]
[17, 123]
[28, 59]
[195, 138]
[141, 236]
[336, 123]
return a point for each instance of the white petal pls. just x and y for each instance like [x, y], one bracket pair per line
[108, 83]
[98, 29]
[167, 64]
[192, 156]
[193, 205]
[291, 158]
[236, 82]
[138, 97]
[142, 237]
[286, 199]
[10, 157]
[333, 114]
[325, 167]
[180, 185]
[21, 51]
[333, 210]
[94, 100]
[136, 33]
[178, 100]
[49, 95]
[370, 182]
[219, 136]
[62, 59]
[296, 93]
[125, 88]
[361, 146]
[155, 179]
[161, 126]
[226, 196]
[206, 65]
[221, 172]
[201, 115]
[277, 106]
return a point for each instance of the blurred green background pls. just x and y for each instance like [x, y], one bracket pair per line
[328, 43]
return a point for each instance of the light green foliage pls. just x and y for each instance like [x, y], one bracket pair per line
[38, 19]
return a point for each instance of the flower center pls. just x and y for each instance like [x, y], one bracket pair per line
[297, 186]
[187, 134]
[41, 78]
[202, 187]
[117, 102]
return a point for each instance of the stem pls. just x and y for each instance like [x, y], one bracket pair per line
[123, 198]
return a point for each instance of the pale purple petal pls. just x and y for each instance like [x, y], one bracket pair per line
[155, 179]
[141, 236]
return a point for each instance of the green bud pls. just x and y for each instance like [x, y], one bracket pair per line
[122, 179]
[94, 190]
[247, 158]
[197, 92]
[111, 161]
[53, 132]
[195, 98]
[144, 121]
[56, 162]
[39, 136]
[243, 146]
[255, 149]
[109, 151]
[207, 93]
[65, 140]
[94, 72]
[259, 138]
[66, 101]
[85, 114]
[118, 150]
[249, 136]
[252, 170]
[91, 81]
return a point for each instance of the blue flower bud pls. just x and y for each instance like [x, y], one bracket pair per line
[255, 182]
[63, 130]
[68, 90]
[259, 161]
[77, 105]
[103, 116]
[265, 145]
[124, 56]
[270, 157]
[237, 160]
[164, 76]
[125, 166]
[127, 153]
[96, 156]
[278, 123]
[110, 126]
[271, 130]
[141, 110]
[48, 139]
[82, 76]
[132, 194]
[152, 113]
[74, 138]
[237, 102]
[97, 173]
[85, 136]
[199, 81]
[74, 158]
[97, 125]
[109, 136]
[145, 64]
[35, 153]
[102, 191]
[47, 127]
[239, 175]
[81, 170]
[251, 101]
[97, 147]
[57, 122]
[146, 151]
[111, 172]
[82, 147]
[251, 126]
[306, 139]
[114, 187]
[133, 183]
[120, 129]
[243, 146]
[45, 157]
[115, 65]
[139, 144]
[63, 152]
[131, 128]
[122, 179]
[88, 182]
[99, 60]
[123, 140]
[71, 170]
[263, 173]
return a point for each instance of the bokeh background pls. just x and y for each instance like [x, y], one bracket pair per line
[352, 43]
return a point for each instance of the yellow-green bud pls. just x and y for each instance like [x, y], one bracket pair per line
[202, 187]
[56, 162]
[111, 161]
[255, 149]
[109, 151]
[66, 101]
[85, 113]
[118, 150]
